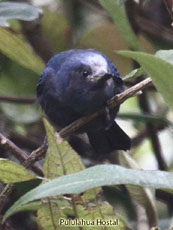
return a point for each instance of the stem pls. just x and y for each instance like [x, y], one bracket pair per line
[18, 100]
[18, 153]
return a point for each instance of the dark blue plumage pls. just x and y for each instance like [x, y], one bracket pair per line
[79, 82]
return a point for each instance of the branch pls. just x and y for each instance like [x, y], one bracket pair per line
[18, 100]
[36, 155]
[24, 142]
[19, 153]
[114, 101]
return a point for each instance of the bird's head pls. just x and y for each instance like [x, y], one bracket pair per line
[82, 79]
[89, 68]
[80, 75]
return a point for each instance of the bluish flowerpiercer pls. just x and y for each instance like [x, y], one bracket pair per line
[79, 82]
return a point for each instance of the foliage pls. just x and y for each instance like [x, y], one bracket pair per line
[62, 160]
[10, 172]
[94, 177]
[20, 51]
[69, 188]
[14, 10]
[117, 10]
[156, 68]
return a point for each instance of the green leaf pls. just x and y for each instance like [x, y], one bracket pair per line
[94, 177]
[15, 10]
[89, 214]
[18, 50]
[159, 70]
[117, 10]
[10, 172]
[104, 212]
[50, 212]
[33, 206]
[134, 73]
[61, 159]
[166, 55]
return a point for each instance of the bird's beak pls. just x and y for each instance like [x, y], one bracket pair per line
[97, 78]
[104, 77]
[101, 79]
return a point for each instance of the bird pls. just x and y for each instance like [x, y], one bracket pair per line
[79, 82]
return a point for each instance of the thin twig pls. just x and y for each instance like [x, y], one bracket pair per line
[24, 141]
[18, 153]
[18, 100]
[36, 155]
[116, 100]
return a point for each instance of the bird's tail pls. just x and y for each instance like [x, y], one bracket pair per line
[106, 141]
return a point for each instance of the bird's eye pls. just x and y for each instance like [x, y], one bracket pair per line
[85, 73]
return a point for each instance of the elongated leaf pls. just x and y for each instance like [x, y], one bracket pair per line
[166, 55]
[10, 172]
[33, 206]
[94, 177]
[19, 51]
[159, 70]
[117, 10]
[15, 10]
[134, 73]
